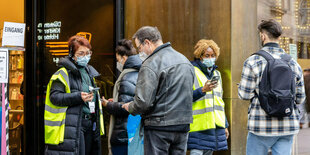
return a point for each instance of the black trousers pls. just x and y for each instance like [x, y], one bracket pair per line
[165, 142]
[89, 139]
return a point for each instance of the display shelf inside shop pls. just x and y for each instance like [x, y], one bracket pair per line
[16, 74]
[13, 48]
[21, 69]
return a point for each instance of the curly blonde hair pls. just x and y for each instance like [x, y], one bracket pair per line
[202, 46]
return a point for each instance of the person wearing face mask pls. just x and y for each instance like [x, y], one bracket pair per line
[73, 118]
[128, 63]
[267, 132]
[208, 132]
[163, 95]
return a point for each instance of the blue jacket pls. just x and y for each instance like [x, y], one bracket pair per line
[212, 139]
[126, 93]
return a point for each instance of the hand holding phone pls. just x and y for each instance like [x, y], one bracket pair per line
[215, 79]
[87, 97]
[210, 84]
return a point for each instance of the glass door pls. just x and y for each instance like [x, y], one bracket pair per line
[51, 23]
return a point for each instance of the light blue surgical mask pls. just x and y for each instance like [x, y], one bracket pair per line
[143, 55]
[119, 65]
[83, 61]
[209, 62]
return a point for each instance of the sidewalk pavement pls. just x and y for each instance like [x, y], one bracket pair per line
[303, 141]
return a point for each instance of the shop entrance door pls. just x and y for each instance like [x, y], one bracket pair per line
[50, 23]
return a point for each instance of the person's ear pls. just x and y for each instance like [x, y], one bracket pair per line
[147, 42]
[263, 37]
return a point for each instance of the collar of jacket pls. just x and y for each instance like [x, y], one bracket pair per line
[272, 44]
[133, 61]
[159, 48]
[203, 68]
[68, 63]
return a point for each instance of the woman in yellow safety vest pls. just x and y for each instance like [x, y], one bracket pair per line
[73, 120]
[208, 132]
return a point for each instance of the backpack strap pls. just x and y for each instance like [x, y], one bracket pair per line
[268, 57]
[264, 54]
[286, 57]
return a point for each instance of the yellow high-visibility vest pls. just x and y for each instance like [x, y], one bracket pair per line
[55, 116]
[208, 111]
[101, 120]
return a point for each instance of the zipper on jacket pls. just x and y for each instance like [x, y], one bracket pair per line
[216, 138]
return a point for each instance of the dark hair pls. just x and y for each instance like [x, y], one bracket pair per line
[125, 47]
[271, 27]
[307, 70]
[75, 42]
[147, 32]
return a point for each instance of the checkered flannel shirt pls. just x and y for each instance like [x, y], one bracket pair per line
[258, 121]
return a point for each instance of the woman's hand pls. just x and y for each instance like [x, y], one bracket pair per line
[227, 133]
[209, 86]
[87, 97]
[104, 101]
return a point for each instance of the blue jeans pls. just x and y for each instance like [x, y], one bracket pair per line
[201, 152]
[259, 145]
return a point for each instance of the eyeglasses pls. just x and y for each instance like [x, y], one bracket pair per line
[83, 53]
[139, 47]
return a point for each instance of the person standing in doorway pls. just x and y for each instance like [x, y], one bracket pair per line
[164, 94]
[73, 120]
[208, 132]
[267, 131]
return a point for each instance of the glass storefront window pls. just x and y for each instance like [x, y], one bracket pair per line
[294, 15]
[60, 20]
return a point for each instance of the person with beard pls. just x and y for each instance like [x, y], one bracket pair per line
[265, 131]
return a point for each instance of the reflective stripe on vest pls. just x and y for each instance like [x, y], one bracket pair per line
[208, 111]
[55, 116]
[101, 120]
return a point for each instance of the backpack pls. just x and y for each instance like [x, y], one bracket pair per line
[277, 86]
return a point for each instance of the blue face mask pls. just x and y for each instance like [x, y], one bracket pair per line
[83, 61]
[143, 55]
[209, 62]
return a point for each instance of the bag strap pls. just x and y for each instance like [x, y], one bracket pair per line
[268, 57]
[264, 54]
[116, 85]
[286, 57]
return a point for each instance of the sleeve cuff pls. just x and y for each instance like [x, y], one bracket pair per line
[131, 107]
[199, 91]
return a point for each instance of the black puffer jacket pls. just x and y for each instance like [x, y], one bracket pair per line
[73, 100]
[126, 94]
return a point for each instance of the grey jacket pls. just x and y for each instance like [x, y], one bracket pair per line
[164, 90]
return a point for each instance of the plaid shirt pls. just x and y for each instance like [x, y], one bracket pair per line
[259, 122]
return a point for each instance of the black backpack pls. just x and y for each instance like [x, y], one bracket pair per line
[277, 86]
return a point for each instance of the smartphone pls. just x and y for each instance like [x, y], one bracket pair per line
[215, 79]
[92, 89]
